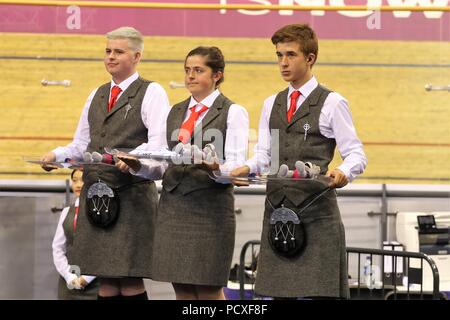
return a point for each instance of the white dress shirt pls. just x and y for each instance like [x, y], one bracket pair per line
[335, 122]
[236, 142]
[59, 250]
[154, 111]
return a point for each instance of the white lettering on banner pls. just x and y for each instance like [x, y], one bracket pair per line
[73, 21]
[420, 3]
[356, 14]
[341, 3]
[255, 12]
[374, 21]
[250, 12]
[305, 3]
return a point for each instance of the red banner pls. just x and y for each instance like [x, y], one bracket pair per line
[397, 25]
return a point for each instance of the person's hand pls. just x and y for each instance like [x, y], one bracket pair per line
[130, 161]
[122, 166]
[48, 157]
[209, 166]
[75, 284]
[209, 161]
[339, 178]
[82, 282]
[243, 171]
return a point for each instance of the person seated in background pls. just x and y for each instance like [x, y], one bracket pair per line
[70, 286]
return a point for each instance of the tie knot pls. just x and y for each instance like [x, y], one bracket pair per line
[295, 94]
[115, 91]
[187, 128]
[200, 110]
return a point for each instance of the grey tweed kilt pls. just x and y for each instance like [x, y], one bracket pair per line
[321, 270]
[194, 236]
[125, 249]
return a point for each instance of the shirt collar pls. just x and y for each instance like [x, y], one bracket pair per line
[126, 83]
[305, 89]
[77, 202]
[208, 101]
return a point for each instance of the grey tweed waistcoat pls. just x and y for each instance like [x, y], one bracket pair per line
[293, 146]
[120, 128]
[212, 130]
[69, 231]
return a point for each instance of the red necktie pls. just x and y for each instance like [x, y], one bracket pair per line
[293, 106]
[115, 91]
[75, 218]
[187, 128]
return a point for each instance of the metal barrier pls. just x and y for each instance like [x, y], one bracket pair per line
[252, 266]
[387, 289]
[391, 287]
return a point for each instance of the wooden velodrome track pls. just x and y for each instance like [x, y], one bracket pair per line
[406, 130]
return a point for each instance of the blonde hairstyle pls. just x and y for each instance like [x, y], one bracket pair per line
[134, 37]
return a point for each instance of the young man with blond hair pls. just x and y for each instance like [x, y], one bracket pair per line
[127, 112]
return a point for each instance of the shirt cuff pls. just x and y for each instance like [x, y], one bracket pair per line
[224, 171]
[141, 173]
[60, 154]
[253, 167]
[226, 167]
[69, 277]
[346, 171]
